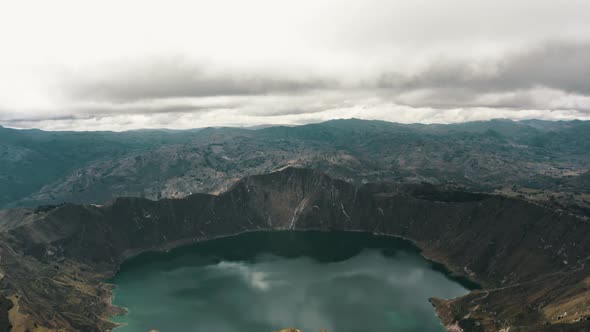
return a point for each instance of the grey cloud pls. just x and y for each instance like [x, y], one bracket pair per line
[559, 66]
[86, 112]
[449, 98]
[286, 111]
[444, 83]
[98, 110]
[177, 78]
[552, 76]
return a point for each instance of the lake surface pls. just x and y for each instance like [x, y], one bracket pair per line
[264, 281]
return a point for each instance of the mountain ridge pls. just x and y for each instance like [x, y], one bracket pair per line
[533, 160]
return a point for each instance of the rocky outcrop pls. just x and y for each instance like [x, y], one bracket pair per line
[531, 261]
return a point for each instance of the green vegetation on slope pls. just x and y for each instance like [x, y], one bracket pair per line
[92, 167]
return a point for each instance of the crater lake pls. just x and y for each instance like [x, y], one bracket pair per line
[266, 281]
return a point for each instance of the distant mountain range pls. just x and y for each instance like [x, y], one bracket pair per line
[543, 161]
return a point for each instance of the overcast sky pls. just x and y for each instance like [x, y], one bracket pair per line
[117, 65]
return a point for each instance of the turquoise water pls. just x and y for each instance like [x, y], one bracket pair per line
[264, 281]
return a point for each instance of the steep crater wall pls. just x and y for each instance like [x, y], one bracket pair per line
[532, 261]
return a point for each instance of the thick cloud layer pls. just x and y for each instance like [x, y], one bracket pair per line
[181, 64]
[178, 78]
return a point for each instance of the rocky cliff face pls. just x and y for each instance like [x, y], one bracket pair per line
[531, 261]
